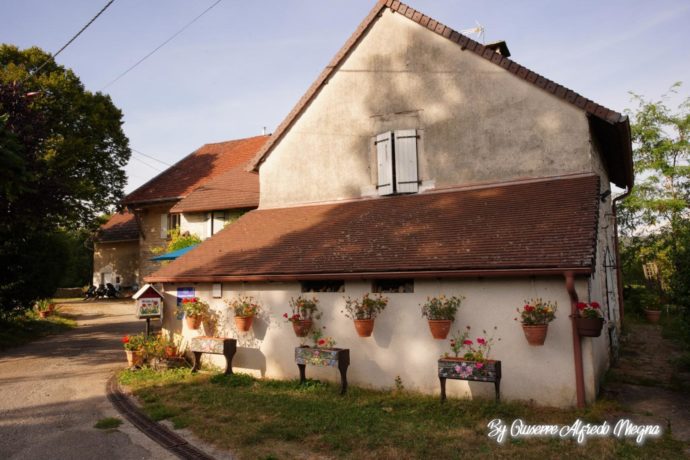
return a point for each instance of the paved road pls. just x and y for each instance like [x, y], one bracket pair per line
[52, 392]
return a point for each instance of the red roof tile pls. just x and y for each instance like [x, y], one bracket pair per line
[619, 161]
[204, 164]
[548, 225]
[234, 189]
[122, 226]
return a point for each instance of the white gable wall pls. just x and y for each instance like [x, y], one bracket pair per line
[476, 121]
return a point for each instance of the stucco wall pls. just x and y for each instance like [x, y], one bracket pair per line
[402, 344]
[118, 259]
[194, 223]
[476, 121]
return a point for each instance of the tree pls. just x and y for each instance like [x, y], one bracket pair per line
[62, 157]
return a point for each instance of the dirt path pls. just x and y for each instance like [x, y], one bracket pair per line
[646, 382]
[52, 391]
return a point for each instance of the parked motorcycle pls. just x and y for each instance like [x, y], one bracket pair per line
[90, 294]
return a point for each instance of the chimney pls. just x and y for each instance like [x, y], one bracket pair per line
[500, 47]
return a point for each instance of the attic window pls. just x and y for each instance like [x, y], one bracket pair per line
[393, 286]
[323, 286]
[396, 157]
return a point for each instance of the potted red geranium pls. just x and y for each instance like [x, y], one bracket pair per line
[440, 312]
[364, 311]
[245, 309]
[195, 311]
[589, 320]
[134, 349]
[304, 312]
[535, 317]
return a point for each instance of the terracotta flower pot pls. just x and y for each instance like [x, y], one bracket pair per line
[440, 328]
[364, 327]
[652, 315]
[589, 327]
[193, 322]
[243, 323]
[134, 358]
[43, 314]
[535, 334]
[170, 352]
[302, 327]
[51, 308]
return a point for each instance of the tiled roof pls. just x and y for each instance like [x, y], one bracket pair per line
[620, 165]
[547, 225]
[204, 164]
[234, 189]
[122, 226]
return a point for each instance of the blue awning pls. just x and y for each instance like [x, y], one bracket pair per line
[174, 254]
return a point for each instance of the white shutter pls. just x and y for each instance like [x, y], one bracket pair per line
[164, 226]
[384, 156]
[406, 176]
[218, 221]
[209, 226]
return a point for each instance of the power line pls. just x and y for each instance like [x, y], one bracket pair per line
[150, 157]
[162, 44]
[72, 39]
[147, 164]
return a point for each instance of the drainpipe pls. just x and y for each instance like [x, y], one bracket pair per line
[577, 349]
[619, 272]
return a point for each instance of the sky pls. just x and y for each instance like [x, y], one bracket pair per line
[245, 64]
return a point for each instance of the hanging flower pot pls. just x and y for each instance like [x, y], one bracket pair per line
[440, 328]
[589, 327]
[193, 322]
[134, 358]
[536, 333]
[244, 323]
[364, 327]
[302, 327]
[652, 315]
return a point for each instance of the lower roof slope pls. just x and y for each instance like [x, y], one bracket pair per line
[234, 189]
[546, 224]
[122, 226]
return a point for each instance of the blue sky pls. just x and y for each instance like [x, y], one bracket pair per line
[246, 63]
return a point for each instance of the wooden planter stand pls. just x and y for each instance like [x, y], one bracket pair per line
[215, 346]
[333, 357]
[461, 369]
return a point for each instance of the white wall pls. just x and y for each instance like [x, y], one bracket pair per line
[402, 344]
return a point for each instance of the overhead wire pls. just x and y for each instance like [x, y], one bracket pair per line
[162, 44]
[147, 163]
[150, 157]
[53, 56]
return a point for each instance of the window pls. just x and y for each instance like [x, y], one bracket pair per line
[216, 222]
[323, 286]
[396, 157]
[393, 286]
[169, 222]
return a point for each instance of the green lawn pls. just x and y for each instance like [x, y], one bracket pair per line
[29, 327]
[281, 419]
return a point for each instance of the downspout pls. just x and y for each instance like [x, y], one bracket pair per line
[619, 271]
[577, 348]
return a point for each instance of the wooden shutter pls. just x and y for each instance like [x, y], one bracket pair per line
[406, 176]
[384, 157]
[164, 226]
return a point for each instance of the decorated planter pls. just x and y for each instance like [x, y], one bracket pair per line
[652, 315]
[134, 358]
[193, 322]
[589, 327]
[243, 323]
[214, 346]
[364, 327]
[462, 369]
[302, 327]
[536, 333]
[440, 328]
[323, 357]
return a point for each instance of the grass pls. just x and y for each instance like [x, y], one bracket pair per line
[281, 419]
[108, 423]
[30, 327]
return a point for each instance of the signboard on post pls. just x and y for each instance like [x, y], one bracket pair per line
[149, 302]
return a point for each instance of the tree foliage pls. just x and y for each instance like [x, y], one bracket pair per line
[62, 157]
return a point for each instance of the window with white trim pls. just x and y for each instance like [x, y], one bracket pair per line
[169, 222]
[396, 157]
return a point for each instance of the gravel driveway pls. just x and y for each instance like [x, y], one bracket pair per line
[52, 391]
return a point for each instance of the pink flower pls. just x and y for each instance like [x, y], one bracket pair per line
[594, 304]
[285, 315]
[479, 365]
[481, 341]
[322, 341]
[581, 305]
[529, 308]
[467, 342]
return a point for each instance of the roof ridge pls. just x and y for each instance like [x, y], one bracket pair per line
[466, 43]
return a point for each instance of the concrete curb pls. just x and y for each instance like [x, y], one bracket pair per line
[159, 433]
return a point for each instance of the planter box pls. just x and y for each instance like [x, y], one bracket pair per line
[215, 346]
[324, 357]
[461, 369]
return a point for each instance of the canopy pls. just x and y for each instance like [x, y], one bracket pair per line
[174, 254]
